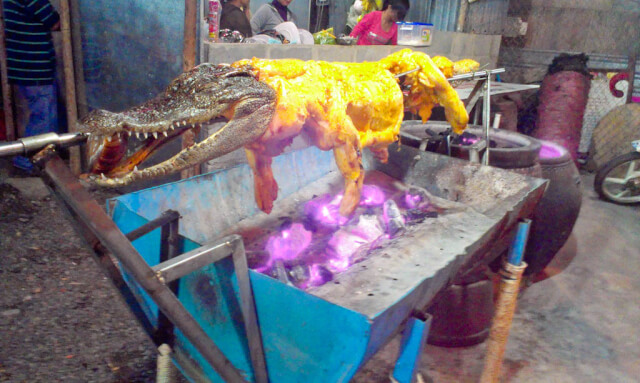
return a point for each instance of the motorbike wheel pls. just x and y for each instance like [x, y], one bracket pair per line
[618, 180]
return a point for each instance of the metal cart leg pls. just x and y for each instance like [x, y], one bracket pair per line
[414, 337]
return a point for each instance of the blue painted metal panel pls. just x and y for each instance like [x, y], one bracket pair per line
[212, 203]
[321, 343]
[413, 339]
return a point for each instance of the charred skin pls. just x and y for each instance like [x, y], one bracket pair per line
[343, 107]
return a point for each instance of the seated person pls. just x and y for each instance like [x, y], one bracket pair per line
[269, 15]
[235, 16]
[379, 27]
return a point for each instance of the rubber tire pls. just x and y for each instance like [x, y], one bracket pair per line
[598, 183]
[523, 156]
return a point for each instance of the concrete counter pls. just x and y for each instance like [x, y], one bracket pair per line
[454, 45]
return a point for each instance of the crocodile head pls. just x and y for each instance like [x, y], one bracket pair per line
[121, 142]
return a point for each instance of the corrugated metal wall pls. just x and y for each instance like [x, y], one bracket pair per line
[443, 14]
[486, 17]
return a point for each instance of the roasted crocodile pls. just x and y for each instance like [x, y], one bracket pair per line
[343, 107]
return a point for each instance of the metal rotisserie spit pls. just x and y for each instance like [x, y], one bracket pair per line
[329, 291]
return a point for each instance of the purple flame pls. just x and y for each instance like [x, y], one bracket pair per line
[289, 243]
[371, 196]
[548, 151]
[326, 210]
[412, 201]
[346, 241]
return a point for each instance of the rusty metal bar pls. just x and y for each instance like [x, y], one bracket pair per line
[164, 219]
[105, 230]
[193, 260]
[169, 248]
[229, 246]
[249, 312]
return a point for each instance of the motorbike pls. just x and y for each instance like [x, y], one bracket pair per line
[618, 180]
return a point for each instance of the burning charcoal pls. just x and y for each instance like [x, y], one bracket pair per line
[349, 239]
[319, 275]
[289, 243]
[371, 196]
[281, 272]
[299, 273]
[416, 198]
[325, 211]
[259, 260]
[286, 223]
[393, 217]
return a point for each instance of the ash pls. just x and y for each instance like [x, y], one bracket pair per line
[479, 186]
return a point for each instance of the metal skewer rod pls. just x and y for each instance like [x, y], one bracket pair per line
[407, 72]
[32, 144]
[476, 75]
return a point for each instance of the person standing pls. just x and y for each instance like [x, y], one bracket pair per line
[379, 27]
[31, 63]
[269, 15]
[235, 16]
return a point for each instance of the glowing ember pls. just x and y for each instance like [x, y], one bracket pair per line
[318, 276]
[289, 243]
[346, 241]
[412, 200]
[416, 198]
[326, 210]
[371, 196]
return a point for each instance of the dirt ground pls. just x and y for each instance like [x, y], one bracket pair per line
[60, 318]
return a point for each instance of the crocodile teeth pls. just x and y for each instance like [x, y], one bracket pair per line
[135, 169]
[146, 135]
[155, 135]
[165, 134]
[139, 135]
[103, 176]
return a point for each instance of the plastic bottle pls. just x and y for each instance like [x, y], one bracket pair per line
[215, 10]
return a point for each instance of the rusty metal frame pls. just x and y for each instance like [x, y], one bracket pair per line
[103, 237]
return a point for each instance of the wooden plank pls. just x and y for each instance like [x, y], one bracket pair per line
[188, 62]
[69, 83]
[6, 87]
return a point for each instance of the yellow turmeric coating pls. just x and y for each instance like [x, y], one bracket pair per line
[465, 66]
[345, 107]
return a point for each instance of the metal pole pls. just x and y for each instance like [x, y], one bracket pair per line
[487, 116]
[99, 223]
[506, 305]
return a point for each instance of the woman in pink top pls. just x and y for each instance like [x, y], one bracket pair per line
[379, 27]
